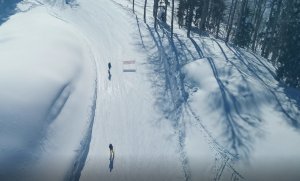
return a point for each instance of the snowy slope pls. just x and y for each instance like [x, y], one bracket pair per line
[126, 116]
[47, 85]
[189, 109]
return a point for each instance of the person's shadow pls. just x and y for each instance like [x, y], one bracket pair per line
[109, 75]
[111, 162]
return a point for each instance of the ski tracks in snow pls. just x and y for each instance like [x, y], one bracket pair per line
[222, 156]
[225, 157]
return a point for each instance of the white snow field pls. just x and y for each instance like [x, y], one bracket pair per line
[189, 109]
[47, 79]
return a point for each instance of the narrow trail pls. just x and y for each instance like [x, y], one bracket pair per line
[125, 116]
[171, 86]
[226, 157]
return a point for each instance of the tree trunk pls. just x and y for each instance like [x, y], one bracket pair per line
[133, 6]
[190, 18]
[270, 44]
[218, 28]
[230, 14]
[145, 8]
[231, 21]
[172, 20]
[204, 15]
[266, 41]
[166, 9]
[155, 8]
[258, 19]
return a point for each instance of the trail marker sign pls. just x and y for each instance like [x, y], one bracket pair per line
[129, 66]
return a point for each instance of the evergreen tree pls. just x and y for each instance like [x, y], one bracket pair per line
[260, 8]
[181, 12]
[270, 39]
[244, 28]
[216, 13]
[190, 16]
[289, 56]
[231, 18]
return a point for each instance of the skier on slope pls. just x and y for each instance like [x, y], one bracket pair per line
[111, 148]
[109, 74]
[111, 158]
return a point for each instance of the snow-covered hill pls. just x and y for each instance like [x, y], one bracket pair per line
[188, 109]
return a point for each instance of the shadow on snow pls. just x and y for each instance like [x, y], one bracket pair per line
[7, 8]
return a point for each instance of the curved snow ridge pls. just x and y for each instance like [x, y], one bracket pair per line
[59, 102]
[82, 153]
[45, 98]
[81, 156]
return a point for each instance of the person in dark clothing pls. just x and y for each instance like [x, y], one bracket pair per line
[111, 148]
[109, 74]
[111, 158]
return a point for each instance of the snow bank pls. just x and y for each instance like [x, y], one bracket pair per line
[42, 61]
[242, 114]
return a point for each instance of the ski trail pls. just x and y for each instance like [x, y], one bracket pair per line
[80, 158]
[125, 116]
[180, 127]
[226, 156]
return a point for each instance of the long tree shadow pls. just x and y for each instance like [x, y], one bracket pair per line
[166, 83]
[289, 107]
[177, 114]
[165, 59]
[238, 125]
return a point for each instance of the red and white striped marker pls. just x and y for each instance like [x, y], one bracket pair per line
[129, 66]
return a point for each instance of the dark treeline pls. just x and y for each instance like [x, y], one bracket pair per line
[270, 28]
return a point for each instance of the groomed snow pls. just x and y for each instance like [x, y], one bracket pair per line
[47, 80]
[60, 108]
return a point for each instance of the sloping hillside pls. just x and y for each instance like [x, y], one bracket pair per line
[174, 109]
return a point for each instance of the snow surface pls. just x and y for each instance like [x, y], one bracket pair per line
[60, 108]
[47, 82]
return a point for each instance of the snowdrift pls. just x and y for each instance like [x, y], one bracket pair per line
[46, 90]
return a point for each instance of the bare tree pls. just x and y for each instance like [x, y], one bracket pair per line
[258, 17]
[172, 20]
[155, 9]
[231, 21]
[145, 8]
[204, 14]
[133, 6]
[191, 7]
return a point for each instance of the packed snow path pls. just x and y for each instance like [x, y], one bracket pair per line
[126, 116]
[145, 142]
[137, 106]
